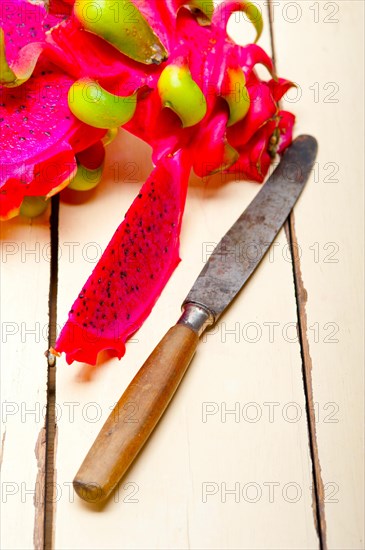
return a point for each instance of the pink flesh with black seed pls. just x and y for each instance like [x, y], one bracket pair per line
[40, 136]
[133, 270]
[24, 23]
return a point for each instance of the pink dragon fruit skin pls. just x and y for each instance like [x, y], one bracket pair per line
[208, 141]
[133, 270]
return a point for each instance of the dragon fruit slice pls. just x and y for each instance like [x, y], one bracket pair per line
[22, 33]
[133, 270]
[40, 137]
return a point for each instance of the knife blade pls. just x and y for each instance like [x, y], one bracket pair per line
[223, 276]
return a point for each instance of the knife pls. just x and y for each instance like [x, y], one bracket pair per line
[225, 273]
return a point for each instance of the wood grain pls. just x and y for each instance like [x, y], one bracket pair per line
[165, 499]
[229, 451]
[135, 415]
[328, 271]
[24, 338]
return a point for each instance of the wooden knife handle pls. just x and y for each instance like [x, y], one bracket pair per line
[135, 415]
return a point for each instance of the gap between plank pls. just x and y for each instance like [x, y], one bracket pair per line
[50, 423]
[301, 300]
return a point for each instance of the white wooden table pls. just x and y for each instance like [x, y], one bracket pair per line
[262, 447]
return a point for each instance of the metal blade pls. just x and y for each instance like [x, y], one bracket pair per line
[245, 244]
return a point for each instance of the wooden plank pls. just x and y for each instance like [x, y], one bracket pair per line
[327, 41]
[177, 494]
[25, 271]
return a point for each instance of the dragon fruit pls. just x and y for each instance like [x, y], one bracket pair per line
[40, 134]
[133, 270]
[170, 74]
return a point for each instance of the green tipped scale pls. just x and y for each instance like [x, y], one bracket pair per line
[180, 93]
[91, 104]
[121, 24]
[86, 179]
[21, 70]
[237, 96]
[32, 207]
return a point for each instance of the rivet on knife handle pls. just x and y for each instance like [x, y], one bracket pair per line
[150, 391]
[221, 279]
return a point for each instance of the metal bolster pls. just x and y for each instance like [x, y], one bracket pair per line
[196, 317]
